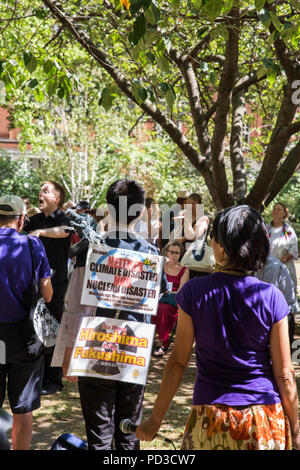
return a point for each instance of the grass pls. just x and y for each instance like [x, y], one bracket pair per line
[61, 412]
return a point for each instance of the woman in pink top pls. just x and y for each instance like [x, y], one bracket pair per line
[167, 312]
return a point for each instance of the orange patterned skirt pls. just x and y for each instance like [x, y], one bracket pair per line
[223, 427]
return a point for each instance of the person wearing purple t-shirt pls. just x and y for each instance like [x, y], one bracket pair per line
[22, 373]
[245, 378]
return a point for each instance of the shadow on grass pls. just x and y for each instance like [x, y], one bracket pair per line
[61, 413]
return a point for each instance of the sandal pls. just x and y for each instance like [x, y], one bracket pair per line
[159, 352]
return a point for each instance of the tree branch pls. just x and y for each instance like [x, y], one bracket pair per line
[275, 150]
[223, 104]
[284, 173]
[293, 128]
[186, 68]
[236, 148]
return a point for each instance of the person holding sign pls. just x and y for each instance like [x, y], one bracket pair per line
[106, 402]
[239, 324]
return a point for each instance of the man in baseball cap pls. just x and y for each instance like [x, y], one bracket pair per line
[12, 205]
[20, 373]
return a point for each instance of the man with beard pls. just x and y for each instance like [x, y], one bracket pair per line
[47, 226]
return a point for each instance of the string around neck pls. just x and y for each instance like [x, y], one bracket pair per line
[231, 269]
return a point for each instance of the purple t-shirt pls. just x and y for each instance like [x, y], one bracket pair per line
[16, 272]
[233, 317]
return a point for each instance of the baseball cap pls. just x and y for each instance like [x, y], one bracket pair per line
[12, 205]
[82, 205]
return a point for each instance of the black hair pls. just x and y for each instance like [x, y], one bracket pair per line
[196, 197]
[242, 233]
[134, 194]
[149, 201]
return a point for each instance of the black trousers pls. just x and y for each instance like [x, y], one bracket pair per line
[292, 327]
[56, 306]
[104, 404]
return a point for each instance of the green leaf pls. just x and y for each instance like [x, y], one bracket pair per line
[135, 6]
[51, 87]
[40, 13]
[270, 65]
[228, 4]
[170, 99]
[48, 66]
[276, 22]
[39, 96]
[150, 57]
[163, 63]
[169, 93]
[132, 39]
[259, 4]
[139, 28]
[160, 45]
[202, 31]
[264, 17]
[213, 8]
[212, 77]
[152, 15]
[60, 92]
[136, 51]
[30, 61]
[106, 99]
[33, 83]
[164, 87]
[272, 77]
[197, 4]
[175, 4]
[139, 92]
[261, 71]
[295, 3]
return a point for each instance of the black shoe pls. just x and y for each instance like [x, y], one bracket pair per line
[51, 389]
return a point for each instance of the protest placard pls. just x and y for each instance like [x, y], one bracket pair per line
[112, 349]
[122, 279]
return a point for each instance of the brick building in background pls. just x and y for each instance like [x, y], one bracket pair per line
[9, 143]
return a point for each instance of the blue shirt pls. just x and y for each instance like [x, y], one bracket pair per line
[16, 272]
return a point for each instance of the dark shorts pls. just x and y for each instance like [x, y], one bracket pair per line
[21, 378]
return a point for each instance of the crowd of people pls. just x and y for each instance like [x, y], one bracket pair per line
[239, 312]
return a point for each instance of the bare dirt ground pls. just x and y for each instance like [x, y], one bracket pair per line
[62, 412]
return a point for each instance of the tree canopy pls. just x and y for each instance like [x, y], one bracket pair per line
[200, 69]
